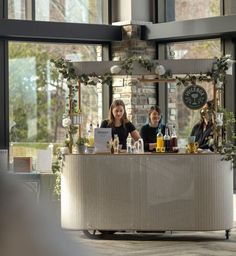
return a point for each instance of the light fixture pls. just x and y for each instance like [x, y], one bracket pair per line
[77, 118]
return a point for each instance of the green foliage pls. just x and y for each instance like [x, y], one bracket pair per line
[65, 68]
[227, 148]
[56, 167]
[229, 121]
[82, 141]
[57, 186]
[220, 66]
[128, 64]
[218, 72]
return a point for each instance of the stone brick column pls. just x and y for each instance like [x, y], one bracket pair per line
[137, 96]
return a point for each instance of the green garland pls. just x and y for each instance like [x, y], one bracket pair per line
[228, 149]
[66, 68]
[217, 74]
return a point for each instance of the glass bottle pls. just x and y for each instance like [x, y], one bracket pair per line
[173, 141]
[129, 144]
[160, 141]
[116, 143]
[91, 136]
[112, 148]
[167, 140]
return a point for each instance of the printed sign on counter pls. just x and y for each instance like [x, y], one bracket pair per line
[102, 136]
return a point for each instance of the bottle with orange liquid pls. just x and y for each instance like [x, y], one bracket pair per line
[160, 142]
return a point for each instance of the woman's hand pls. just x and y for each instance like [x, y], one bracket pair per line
[135, 135]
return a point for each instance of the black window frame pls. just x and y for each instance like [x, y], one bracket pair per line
[54, 32]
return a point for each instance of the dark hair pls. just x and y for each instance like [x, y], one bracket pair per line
[152, 108]
[210, 104]
[111, 118]
[208, 107]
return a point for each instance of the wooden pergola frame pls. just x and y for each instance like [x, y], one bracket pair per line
[179, 67]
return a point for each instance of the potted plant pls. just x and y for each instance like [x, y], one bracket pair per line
[81, 144]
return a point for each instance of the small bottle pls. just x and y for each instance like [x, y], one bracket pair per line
[129, 144]
[160, 141]
[91, 136]
[173, 141]
[11, 156]
[112, 149]
[167, 140]
[116, 143]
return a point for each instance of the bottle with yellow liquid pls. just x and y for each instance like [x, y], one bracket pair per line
[116, 142]
[160, 142]
[91, 136]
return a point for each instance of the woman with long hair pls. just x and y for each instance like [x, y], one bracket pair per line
[203, 130]
[118, 121]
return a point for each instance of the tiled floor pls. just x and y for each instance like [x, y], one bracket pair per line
[177, 243]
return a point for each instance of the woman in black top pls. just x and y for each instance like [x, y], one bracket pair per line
[118, 121]
[149, 131]
[203, 130]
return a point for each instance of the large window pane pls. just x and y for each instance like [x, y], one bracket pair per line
[192, 9]
[178, 113]
[37, 95]
[79, 11]
[201, 49]
[17, 9]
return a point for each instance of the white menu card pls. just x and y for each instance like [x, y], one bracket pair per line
[102, 136]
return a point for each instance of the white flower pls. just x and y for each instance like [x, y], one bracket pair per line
[160, 70]
[219, 84]
[230, 62]
[66, 122]
[219, 119]
[115, 69]
[94, 80]
[210, 142]
[64, 150]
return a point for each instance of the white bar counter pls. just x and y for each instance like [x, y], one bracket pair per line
[147, 192]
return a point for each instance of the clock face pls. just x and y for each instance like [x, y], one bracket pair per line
[194, 96]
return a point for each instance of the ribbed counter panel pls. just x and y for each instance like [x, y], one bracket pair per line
[147, 192]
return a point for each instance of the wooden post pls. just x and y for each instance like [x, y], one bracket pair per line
[70, 115]
[70, 101]
[79, 106]
[215, 135]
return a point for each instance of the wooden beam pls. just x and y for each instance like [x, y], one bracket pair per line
[185, 66]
